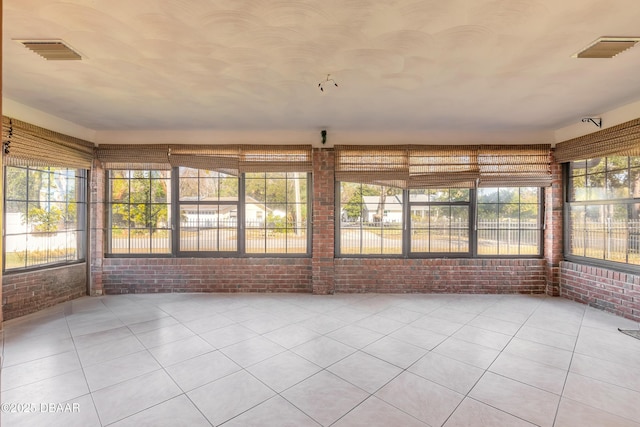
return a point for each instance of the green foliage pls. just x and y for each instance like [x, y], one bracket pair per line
[147, 201]
[44, 220]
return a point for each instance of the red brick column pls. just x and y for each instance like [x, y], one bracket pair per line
[323, 221]
[96, 228]
[553, 234]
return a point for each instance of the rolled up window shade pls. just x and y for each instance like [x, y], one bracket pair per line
[135, 157]
[378, 165]
[620, 140]
[515, 165]
[443, 166]
[220, 158]
[281, 158]
[31, 145]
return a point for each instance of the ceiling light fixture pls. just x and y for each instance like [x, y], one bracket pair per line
[607, 47]
[324, 82]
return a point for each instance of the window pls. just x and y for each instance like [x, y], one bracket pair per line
[371, 219]
[439, 222]
[45, 216]
[509, 221]
[208, 206]
[208, 212]
[603, 204]
[276, 212]
[139, 212]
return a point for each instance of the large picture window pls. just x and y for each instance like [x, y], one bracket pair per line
[603, 204]
[45, 216]
[190, 211]
[375, 220]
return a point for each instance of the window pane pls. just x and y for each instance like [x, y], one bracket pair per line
[511, 226]
[276, 210]
[139, 212]
[602, 230]
[43, 230]
[371, 219]
[208, 211]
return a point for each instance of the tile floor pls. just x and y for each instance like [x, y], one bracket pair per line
[303, 360]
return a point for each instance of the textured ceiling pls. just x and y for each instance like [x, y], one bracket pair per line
[401, 65]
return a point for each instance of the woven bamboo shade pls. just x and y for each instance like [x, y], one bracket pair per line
[621, 140]
[220, 158]
[378, 165]
[443, 166]
[515, 165]
[282, 158]
[136, 157]
[436, 166]
[31, 145]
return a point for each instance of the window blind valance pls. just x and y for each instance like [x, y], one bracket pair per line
[231, 159]
[378, 165]
[276, 158]
[32, 145]
[220, 158]
[135, 157]
[622, 140]
[515, 165]
[416, 166]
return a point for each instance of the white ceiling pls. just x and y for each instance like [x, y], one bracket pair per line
[449, 67]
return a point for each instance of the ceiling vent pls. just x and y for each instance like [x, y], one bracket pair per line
[52, 50]
[607, 47]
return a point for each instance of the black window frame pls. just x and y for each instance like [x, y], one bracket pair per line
[567, 226]
[174, 208]
[82, 219]
[473, 229]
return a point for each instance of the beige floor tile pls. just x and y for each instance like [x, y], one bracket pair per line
[450, 373]
[472, 413]
[575, 414]
[520, 400]
[124, 368]
[283, 370]
[323, 351]
[365, 371]
[200, 370]
[230, 396]
[604, 396]
[275, 412]
[420, 398]
[179, 411]
[530, 372]
[374, 412]
[318, 395]
[137, 394]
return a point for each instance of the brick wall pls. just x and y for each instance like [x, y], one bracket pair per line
[150, 275]
[441, 275]
[24, 293]
[553, 233]
[323, 221]
[607, 290]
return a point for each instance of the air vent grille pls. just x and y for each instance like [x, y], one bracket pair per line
[607, 47]
[52, 50]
